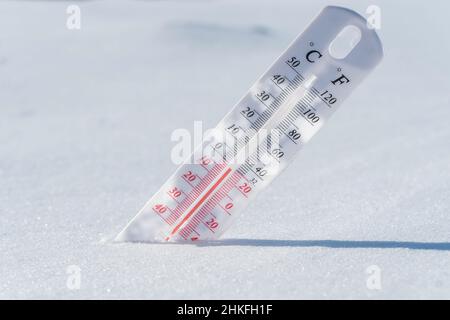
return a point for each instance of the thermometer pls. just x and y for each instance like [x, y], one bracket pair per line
[261, 135]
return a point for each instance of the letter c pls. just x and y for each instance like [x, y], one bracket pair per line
[313, 52]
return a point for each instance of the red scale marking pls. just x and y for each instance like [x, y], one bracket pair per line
[239, 189]
[226, 211]
[204, 167]
[199, 203]
[195, 238]
[195, 193]
[209, 206]
[173, 197]
[209, 228]
[189, 182]
[161, 214]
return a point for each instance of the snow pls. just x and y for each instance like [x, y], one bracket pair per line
[85, 124]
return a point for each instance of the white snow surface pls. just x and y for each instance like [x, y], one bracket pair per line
[85, 124]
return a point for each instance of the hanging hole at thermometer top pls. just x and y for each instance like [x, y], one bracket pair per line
[345, 42]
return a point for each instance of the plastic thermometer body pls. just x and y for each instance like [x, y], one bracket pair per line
[267, 127]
